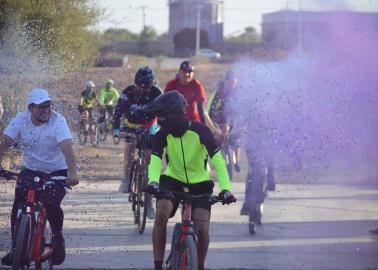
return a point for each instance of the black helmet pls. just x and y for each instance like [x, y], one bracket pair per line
[170, 103]
[144, 77]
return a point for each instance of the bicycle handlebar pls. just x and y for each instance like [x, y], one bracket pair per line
[8, 175]
[188, 197]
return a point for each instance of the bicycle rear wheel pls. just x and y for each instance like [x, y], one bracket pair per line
[20, 246]
[251, 223]
[186, 257]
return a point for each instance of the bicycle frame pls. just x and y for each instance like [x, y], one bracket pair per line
[29, 242]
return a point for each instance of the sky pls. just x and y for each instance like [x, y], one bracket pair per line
[238, 14]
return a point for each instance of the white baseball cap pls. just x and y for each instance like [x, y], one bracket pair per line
[38, 96]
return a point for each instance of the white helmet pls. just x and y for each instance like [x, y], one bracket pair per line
[90, 84]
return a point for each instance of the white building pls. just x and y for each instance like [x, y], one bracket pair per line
[183, 14]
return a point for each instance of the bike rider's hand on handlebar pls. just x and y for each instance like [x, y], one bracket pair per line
[72, 179]
[6, 174]
[227, 196]
[152, 188]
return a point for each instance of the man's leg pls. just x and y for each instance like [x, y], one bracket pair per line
[201, 219]
[159, 232]
[148, 197]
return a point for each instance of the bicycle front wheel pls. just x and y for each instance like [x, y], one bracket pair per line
[21, 243]
[116, 140]
[186, 257]
[103, 130]
[134, 190]
[94, 135]
[81, 134]
[45, 263]
[142, 212]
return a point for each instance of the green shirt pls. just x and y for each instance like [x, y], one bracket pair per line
[108, 97]
[187, 157]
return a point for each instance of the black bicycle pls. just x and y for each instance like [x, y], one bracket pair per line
[138, 176]
[87, 128]
[32, 231]
[260, 180]
[183, 255]
[228, 154]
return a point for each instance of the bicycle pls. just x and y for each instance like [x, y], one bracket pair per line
[183, 255]
[32, 231]
[86, 128]
[138, 177]
[105, 126]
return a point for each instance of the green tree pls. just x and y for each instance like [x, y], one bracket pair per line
[148, 34]
[60, 29]
[116, 34]
[248, 36]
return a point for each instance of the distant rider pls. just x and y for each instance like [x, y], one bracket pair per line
[140, 93]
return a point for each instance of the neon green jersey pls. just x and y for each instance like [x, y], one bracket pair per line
[187, 157]
[108, 97]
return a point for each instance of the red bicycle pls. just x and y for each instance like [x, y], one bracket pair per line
[183, 255]
[32, 231]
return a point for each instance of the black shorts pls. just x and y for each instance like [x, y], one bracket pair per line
[172, 184]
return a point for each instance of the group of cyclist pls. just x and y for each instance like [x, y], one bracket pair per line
[186, 136]
[105, 101]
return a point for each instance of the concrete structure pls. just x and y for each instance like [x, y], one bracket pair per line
[183, 14]
[307, 29]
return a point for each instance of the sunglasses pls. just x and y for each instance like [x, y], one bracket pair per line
[42, 107]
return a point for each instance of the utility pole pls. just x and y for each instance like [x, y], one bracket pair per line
[198, 25]
[144, 16]
[300, 23]
[286, 26]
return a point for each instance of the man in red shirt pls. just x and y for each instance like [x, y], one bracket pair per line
[195, 95]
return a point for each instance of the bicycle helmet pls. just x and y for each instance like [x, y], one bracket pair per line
[89, 84]
[167, 104]
[109, 83]
[144, 77]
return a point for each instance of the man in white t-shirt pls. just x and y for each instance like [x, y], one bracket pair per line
[46, 145]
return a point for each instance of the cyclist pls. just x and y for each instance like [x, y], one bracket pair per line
[220, 114]
[260, 178]
[87, 101]
[194, 93]
[141, 92]
[108, 99]
[187, 144]
[46, 145]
